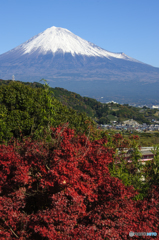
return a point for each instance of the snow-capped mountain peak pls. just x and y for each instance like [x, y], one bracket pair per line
[58, 55]
[56, 39]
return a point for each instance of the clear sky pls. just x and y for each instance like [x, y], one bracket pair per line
[129, 26]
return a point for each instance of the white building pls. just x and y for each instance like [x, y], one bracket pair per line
[155, 106]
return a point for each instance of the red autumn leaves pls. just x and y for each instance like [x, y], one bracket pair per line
[63, 190]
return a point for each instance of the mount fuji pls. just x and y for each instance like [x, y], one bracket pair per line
[67, 60]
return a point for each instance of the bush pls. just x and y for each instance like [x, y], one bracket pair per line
[28, 111]
[63, 189]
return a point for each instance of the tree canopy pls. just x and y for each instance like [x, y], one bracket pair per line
[28, 111]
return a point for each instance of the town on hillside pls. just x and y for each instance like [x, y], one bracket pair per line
[132, 125]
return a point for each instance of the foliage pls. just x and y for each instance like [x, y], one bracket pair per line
[29, 111]
[152, 169]
[63, 184]
[64, 190]
[96, 110]
[131, 173]
[72, 100]
[146, 139]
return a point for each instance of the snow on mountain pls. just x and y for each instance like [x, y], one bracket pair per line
[61, 40]
[59, 55]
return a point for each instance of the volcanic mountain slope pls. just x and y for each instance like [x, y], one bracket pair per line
[58, 54]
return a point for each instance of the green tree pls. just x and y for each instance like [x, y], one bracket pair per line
[131, 173]
[151, 172]
[32, 111]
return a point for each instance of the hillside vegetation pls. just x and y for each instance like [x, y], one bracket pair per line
[62, 178]
[104, 113]
[27, 110]
[99, 112]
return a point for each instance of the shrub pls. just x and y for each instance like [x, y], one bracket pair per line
[30, 111]
[63, 189]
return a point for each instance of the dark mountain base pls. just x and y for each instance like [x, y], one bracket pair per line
[138, 93]
[125, 92]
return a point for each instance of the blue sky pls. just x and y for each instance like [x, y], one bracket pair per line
[129, 26]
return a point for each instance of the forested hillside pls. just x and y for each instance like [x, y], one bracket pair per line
[61, 177]
[104, 113]
[101, 113]
[29, 110]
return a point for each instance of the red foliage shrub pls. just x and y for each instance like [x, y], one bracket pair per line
[136, 137]
[63, 190]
